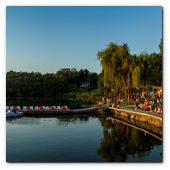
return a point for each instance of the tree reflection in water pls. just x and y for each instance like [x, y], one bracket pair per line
[120, 140]
[66, 120]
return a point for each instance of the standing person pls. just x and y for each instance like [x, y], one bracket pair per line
[107, 100]
[135, 95]
[142, 96]
[145, 96]
[115, 102]
[149, 95]
[134, 99]
[102, 99]
[143, 93]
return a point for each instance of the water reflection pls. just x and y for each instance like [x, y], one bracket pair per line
[78, 139]
[23, 121]
[146, 131]
[38, 120]
[121, 140]
[72, 103]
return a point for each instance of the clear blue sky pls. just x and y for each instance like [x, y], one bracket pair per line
[45, 39]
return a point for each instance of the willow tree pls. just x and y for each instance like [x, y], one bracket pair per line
[105, 57]
[115, 61]
[135, 71]
[136, 77]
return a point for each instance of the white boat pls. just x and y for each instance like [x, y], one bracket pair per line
[13, 113]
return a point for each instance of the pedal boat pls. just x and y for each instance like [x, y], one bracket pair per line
[13, 113]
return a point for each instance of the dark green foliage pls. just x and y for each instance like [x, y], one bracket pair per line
[100, 82]
[34, 84]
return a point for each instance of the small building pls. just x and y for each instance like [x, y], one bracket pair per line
[85, 83]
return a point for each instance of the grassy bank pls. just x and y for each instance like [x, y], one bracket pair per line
[85, 92]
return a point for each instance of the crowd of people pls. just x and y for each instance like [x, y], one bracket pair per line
[136, 97]
[103, 100]
[151, 105]
[151, 101]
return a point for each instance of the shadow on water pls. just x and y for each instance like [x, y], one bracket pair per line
[121, 139]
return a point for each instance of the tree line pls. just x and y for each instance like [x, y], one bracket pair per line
[35, 84]
[122, 71]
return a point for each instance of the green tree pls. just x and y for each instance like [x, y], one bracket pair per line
[100, 82]
[115, 61]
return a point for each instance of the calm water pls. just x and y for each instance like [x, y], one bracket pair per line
[72, 103]
[77, 139]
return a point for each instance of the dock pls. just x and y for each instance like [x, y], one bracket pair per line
[91, 110]
[130, 114]
[98, 109]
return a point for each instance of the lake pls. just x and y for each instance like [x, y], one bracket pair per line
[78, 139]
[75, 138]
